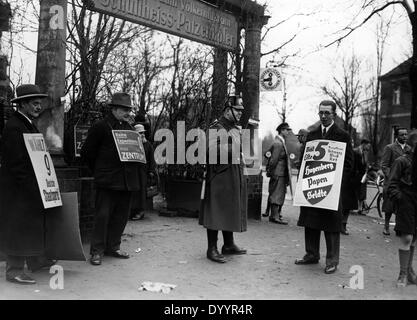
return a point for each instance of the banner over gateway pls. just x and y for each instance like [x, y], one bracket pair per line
[191, 19]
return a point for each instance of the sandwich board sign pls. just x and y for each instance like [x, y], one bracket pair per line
[320, 177]
[44, 169]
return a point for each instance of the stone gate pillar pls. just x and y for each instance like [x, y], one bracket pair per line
[250, 94]
[219, 88]
[50, 72]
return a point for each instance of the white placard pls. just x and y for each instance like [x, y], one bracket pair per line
[44, 169]
[320, 177]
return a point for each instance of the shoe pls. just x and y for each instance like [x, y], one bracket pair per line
[331, 268]
[117, 254]
[21, 279]
[386, 232]
[279, 221]
[95, 259]
[214, 255]
[233, 249]
[138, 216]
[44, 265]
[265, 215]
[345, 232]
[402, 280]
[411, 276]
[306, 261]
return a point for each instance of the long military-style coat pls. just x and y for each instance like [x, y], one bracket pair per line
[100, 153]
[323, 219]
[224, 206]
[390, 154]
[22, 214]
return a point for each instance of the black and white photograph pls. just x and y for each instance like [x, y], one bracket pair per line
[205, 158]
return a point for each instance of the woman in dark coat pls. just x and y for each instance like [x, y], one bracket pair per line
[22, 225]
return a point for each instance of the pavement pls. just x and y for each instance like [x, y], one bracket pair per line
[172, 251]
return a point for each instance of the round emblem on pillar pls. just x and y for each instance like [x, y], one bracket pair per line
[270, 79]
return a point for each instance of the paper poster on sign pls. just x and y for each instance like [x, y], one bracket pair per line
[44, 169]
[320, 177]
[129, 146]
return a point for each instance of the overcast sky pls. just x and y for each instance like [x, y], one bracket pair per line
[317, 21]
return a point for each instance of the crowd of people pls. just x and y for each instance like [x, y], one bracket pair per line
[121, 188]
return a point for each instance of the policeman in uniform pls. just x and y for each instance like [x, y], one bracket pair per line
[224, 206]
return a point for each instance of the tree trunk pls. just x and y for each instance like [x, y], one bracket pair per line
[413, 72]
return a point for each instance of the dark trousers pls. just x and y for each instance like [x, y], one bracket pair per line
[139, 197]
[345, 216]
[312, 244]
[111, 215]
[16, 264]
[212, 238]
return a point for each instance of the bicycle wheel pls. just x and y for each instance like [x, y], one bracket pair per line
[379, 201]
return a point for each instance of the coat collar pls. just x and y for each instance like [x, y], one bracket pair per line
[28, 124]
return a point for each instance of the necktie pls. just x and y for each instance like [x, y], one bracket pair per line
[324, 131]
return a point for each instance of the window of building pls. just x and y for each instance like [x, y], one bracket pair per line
[396, 96]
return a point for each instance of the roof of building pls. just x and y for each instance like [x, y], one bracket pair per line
[400, 70]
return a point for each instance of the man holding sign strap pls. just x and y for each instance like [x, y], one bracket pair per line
[22, 213]
[115, 178]
[314, 220]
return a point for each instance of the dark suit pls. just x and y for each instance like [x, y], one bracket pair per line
[315, 220]
[22, 226]
[115, 181]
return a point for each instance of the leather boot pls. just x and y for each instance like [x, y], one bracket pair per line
[212, 252]
[344, 230]
[268, 209]
[229, 246]
[404, 256]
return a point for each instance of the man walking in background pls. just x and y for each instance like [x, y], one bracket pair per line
[279, 171]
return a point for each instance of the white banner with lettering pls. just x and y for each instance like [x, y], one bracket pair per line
[320, 177]
[44, 169]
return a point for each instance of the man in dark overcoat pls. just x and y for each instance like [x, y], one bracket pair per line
[315, 220]
[115, 180]
[22, 214]
[224, 206]
[391, 152]
[279, 171]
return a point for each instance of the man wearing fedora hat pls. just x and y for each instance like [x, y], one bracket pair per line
[144, 170]
[224, 206]
[279, 172]
[115, 180]
[22, 224]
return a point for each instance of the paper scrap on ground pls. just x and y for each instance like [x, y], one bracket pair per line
[156, 287]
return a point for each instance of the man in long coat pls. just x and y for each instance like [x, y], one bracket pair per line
[390, 154]
[315, 220]
[115, 180]
[279, 171]
[224, 206]
[22, 214]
